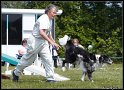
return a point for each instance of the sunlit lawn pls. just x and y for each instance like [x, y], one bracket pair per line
[110, 77]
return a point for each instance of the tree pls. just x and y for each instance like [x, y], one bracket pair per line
[93, 23]
[97, 23]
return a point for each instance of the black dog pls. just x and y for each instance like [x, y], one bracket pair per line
[88, 61]
[73, 53]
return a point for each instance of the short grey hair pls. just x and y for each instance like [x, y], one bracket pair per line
[49, 7]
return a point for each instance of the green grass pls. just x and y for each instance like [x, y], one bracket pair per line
[111, 77]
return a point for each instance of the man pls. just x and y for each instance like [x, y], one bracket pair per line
[43, 39]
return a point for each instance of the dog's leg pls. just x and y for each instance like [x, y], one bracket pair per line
[83, 76]
[63, 65]
[63, 68]
[68, 66]
[90, 76]
[84, 71]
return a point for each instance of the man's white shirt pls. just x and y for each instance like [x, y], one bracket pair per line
[43, 22]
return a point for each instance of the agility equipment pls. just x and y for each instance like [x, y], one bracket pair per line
[32, 68]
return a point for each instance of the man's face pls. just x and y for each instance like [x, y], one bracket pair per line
[52, 13]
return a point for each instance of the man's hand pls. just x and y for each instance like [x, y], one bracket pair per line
[56, 45]
[49, 39]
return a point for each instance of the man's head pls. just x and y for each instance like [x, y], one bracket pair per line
[51, 11]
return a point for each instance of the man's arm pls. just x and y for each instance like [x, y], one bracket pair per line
[48, 38]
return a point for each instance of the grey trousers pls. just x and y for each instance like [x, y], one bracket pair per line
[40, 47]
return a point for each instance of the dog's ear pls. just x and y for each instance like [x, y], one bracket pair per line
[69, 38]
[101, 59]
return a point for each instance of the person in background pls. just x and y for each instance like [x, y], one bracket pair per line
[42, 40]
[77, 43]
[54, 56]
[22, 49]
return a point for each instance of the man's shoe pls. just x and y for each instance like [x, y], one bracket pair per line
[15, 78]
[50, 81]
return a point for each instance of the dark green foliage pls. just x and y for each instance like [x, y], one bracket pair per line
[92, 22]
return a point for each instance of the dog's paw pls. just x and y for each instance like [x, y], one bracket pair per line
[63, 69]
[82, 79]
[92, 81]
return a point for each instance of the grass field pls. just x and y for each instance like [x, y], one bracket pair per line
[110, 77]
